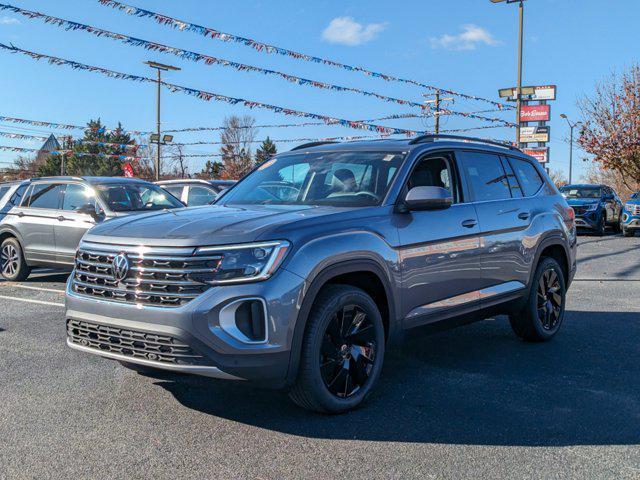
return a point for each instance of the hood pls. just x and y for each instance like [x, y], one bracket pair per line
[578, 202]
[197, 226]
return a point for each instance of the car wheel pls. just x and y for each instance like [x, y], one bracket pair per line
[617, 226]
[342, 351]
[12, 262]
[627, 233]
[543, 313]
[602, 226]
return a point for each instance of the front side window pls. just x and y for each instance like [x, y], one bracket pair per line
[136, 197]
[355, 179]
[200, 196]
[45, 195]
[433, 172]
[527, 175]
[570, 191]
[76, 196]
[487, 179]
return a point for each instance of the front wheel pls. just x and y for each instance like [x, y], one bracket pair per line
[602, 225]
[342, 351]
[12, 262]
[628, 233]
[543, 313]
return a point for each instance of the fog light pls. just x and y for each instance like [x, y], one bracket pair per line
[245, 320]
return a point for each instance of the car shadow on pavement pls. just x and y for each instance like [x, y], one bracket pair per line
[473, 385]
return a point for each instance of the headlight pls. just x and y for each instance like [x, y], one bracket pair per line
[629, 206]
[249, 262]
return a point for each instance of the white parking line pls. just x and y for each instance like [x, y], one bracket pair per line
[28, 287]
[28, 300]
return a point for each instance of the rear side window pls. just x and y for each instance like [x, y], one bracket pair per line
[45, 195]
[16, 198]
[200, 196]
[175, 190]
[528, 176]
[487, 179]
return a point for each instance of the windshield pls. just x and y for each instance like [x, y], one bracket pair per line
[136, 197]
[581, 192]
[339, 179]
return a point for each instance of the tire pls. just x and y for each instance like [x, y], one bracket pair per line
[333, 359]
[602, 226]
[617, 227]
[13, 266]
[628, 233]
[541, 317]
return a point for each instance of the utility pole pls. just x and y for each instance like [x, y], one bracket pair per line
[571, 127]
[436, 105]
[160, 67]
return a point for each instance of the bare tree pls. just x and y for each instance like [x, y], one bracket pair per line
[611, 130]
[178, 162]
[237, 138]
[558, 177]
[612, 178]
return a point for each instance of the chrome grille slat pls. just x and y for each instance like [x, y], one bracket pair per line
[156, 276]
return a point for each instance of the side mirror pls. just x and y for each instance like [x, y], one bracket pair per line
[608, 197]
[428, 198]
[88, 209]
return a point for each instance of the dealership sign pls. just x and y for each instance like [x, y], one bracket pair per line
[535, 113]
[534, 134]
[541, 154]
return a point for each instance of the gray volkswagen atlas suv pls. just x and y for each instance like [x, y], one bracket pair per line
[308, 269]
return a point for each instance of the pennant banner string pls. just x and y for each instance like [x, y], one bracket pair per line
[267, 48]
[208, 96]
[198, 57]
[69, 152]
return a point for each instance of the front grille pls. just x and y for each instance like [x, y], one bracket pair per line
[131, 343]
[158, 277]
[634, 210]
[580, 210]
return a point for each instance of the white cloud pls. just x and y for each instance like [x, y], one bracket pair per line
[346, 31]
[469, 39]
[9, 21]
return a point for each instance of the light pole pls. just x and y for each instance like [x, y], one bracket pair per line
[160, 67]
[520, 44]
[571, 127]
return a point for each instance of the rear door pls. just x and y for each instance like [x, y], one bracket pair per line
[35, 219]
[441, 273]
[71, 225]
[503, 217]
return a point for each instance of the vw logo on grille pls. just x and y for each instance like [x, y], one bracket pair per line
[120, 266]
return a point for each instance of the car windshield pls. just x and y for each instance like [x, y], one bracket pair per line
[338, 178]
[136, 197]
[581, 192]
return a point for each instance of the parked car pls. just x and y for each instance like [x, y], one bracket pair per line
[195, 193]
[631, 216]
[47, 217]
[307, 291]
[596, 206]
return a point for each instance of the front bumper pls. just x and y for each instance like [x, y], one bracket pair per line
[630, 222]
[189, 338]
[588, 220]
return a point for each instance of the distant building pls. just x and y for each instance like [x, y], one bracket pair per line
[49, 146]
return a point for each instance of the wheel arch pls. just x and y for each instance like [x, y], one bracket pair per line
[554, 247]
[365, 274]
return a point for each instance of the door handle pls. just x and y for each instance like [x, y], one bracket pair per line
[61, 218]
[470, 223]
[20, 214]
[524, 215]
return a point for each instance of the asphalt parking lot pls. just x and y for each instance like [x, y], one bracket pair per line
[469, 403]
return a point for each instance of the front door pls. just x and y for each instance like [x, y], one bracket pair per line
[440, 266]
[71, 224]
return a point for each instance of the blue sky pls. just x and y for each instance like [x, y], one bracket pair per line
[464, 45]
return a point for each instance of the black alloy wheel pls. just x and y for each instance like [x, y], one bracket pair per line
[348, 351]
[549, 300]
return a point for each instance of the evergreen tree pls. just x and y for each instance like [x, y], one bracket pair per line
[95, 156]
[265, 151]
[211, 170]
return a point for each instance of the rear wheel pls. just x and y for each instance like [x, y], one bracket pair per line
[12, 263]
[628, 233]
[541, 317]
[342, 351]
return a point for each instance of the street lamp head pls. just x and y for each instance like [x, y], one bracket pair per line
[562, 115]
[161, 66]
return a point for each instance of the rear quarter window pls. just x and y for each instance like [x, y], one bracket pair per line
[528, 176]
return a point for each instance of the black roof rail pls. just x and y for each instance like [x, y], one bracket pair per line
[311, 144]
[433, 137]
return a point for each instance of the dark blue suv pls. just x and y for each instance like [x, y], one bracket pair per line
[596, 206]
[631, 216]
